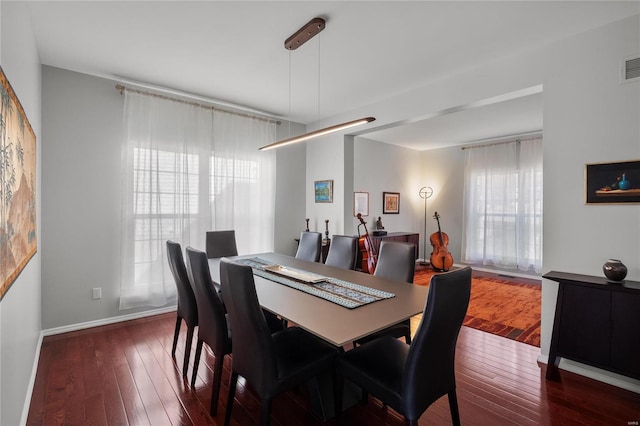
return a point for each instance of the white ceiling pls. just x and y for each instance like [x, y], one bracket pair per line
[370, 50]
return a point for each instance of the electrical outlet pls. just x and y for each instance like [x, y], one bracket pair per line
[97, 293]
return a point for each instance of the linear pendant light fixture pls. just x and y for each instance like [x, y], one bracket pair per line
[297, 39]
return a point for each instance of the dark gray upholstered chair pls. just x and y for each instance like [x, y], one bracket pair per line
[187, 309]
[213, 329]
[271, 363]
[221, 244]
[396, 261]
[343, 252]
[310, 246]
[409, 378]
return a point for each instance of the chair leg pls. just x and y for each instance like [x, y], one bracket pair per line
[196, 362]
[176, 333]
[187, 351]
[215, 388]
[265, 412]
[453, 406]
[338, 389]
[232, 393]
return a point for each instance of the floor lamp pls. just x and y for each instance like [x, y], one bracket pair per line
[425, 193]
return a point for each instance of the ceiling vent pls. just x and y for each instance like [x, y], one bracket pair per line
[631, 69]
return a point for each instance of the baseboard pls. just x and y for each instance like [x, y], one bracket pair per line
[32, 382]
[502, 272]
[76, 327]
[604, 376]
[105, 321]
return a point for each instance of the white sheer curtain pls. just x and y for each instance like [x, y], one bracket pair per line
[186, 170]
[503, 205]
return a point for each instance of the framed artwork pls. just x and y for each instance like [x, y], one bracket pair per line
[361, 203]
[612, 183]
[17, 187]
[390, 202]
[324, 191]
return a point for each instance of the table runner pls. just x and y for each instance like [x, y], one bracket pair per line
[340, 292]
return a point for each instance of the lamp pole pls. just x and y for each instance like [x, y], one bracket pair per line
[425, 193]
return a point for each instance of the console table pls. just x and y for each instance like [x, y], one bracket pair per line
[596, 323]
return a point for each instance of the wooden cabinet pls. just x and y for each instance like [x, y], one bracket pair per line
[596, 323]
[405, 237]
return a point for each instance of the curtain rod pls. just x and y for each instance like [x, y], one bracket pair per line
[121, 88]
[499, 140]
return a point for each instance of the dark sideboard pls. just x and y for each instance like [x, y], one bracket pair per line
[596, 323]
[405, 237]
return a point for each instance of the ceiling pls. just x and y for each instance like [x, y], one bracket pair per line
[370, 50]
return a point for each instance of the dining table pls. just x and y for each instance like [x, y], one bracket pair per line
[355, 305]
[300, 302]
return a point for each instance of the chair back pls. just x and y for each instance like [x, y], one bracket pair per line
[343, 252]
[221, 244]
[429, 370]
[396, 261]
[212, 327]
[254, 355]
[310, 246]
[187, 307]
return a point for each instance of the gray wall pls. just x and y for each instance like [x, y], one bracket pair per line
[82, 120]
[20, 307]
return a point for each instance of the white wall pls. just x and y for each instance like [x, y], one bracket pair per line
[20, 308]
[290, 190]
[376, 171]
[589, 116]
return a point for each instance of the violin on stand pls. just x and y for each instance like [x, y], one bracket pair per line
[369, 255]
[441, 259]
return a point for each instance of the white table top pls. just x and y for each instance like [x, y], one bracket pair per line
[335, 324]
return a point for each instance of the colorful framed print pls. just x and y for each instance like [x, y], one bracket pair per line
[390, 202]
[323, 191]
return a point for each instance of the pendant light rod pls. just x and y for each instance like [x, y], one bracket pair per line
[304, 34]
[297, 39]
[318, 133]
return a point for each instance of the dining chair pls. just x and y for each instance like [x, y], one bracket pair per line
[213, 329]
[343, 252]
[271, 363]
[221, 244]
[409, 378]
[396, 261]
[309, 247]
[187, 309]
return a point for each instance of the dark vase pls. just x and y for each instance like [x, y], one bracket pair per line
[614, 270]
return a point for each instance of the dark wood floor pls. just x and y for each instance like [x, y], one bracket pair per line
[124, 374]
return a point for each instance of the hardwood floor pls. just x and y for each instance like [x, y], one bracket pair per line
[124, 374]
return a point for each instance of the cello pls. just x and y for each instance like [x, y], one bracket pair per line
[441, 259]
[369, 256]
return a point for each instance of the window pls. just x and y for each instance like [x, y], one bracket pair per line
[189, 169]
[503, 205]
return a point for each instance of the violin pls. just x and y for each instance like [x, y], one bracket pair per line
[369, 256]
[441, 259]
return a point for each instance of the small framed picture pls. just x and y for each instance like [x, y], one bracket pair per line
[324, 191]
[361, 203]
[390, 202]
[612, 183]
